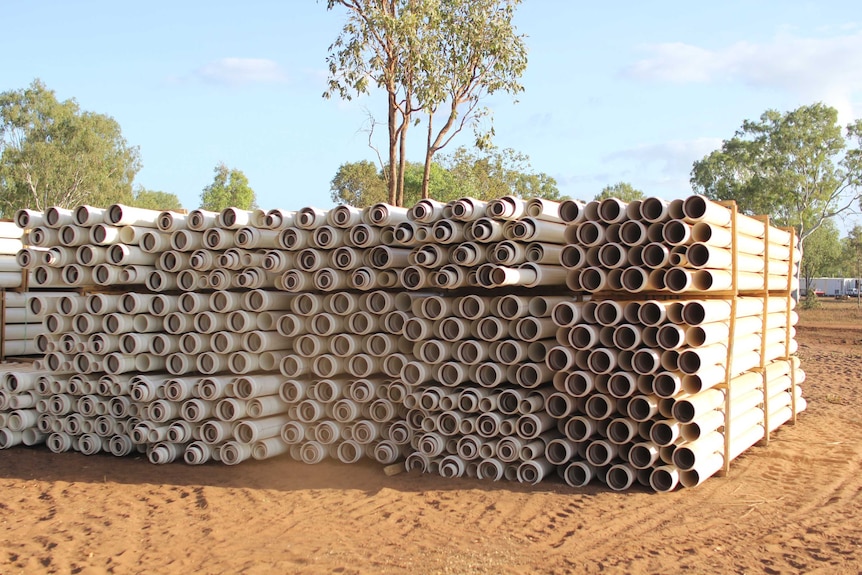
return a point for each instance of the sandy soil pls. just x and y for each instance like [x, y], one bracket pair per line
[794, 506]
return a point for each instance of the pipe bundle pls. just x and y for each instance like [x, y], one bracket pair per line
[647, 342]
[11, 277]
[19, 325]
[18, 399]
[10, 245]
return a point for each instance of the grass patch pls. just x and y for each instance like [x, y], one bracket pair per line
[832, 311]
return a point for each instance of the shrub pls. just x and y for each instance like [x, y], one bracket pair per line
[811, 301]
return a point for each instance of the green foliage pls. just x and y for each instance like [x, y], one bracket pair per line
[358, 184]
[366, 49]
[442, 183]
[464, 173]
[799, 167]
[155, 200]
[621, 190]
[851, 253]
[54, 154]
[822, 256]
[497, 173]
[811, 301]
[229, 189]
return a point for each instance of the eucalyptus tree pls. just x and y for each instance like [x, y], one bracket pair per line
[374, 48]
[155, 200]
[621, 190]
[230, 188]
[52, 153]
[801, 168]
[358, 184]
[471, 50]
[436, 59]
[823, 255]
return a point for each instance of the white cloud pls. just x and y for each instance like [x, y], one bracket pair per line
[660, 168]
[242, 71]
[816, 68]
[672, 158]
[676, 62]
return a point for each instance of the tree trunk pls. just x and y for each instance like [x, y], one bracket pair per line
[429, 154]
[402, 154]
[800, 242]
[426, 176]
[393, 147]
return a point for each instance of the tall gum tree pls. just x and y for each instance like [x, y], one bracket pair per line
[471, 50]
[434, 57]
[822, 257]
[374, 47]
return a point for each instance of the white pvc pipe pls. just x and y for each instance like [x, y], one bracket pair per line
[252, 430]
[168, 221]
[27, 258]
[234, 218]
[696, 312]
[233, 452]
[269, 447]
[56, 217]
[187, 240]
[73, 236]
[214, 432]
[312, 452]
[253, 238]
[120, 215]
[40, 236]
[242, 362]
[711, 464]
[210, 363]
[277, 219]
[25, 219]
[158, 281]
[699, 209]
[203, 260]
[689, 408]
[198, 453]
[708, 333]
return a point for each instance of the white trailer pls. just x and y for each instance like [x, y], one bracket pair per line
[833, 287]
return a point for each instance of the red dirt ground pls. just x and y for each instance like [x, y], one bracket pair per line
[794, 506]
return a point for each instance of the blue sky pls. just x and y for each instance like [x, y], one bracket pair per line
[614, 91]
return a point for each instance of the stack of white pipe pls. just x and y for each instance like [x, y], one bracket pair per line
[330, 334]
[10, 243]
[652, 375]
[89, 247]
[18, 399]
[203, 382]
[20, 326]
[680, 247]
